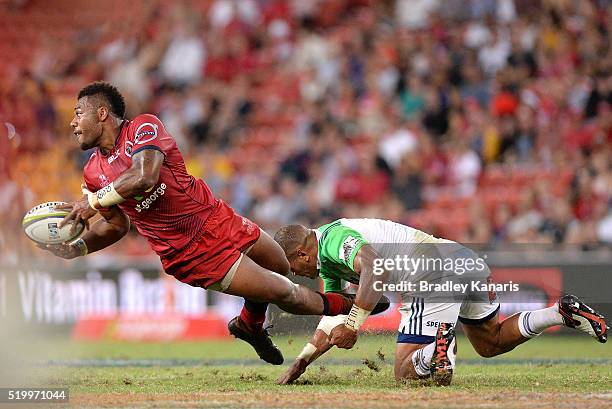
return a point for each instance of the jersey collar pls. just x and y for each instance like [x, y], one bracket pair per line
[318, 234]
[123, 122]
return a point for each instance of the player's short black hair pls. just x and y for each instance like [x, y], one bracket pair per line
[109, 92]
[291, 237]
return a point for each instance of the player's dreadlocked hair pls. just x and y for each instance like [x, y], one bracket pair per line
[109, 92]
[291, 237]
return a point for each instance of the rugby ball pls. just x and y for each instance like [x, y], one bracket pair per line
[41, 224]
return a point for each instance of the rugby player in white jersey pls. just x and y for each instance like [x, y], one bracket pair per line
[351, 250]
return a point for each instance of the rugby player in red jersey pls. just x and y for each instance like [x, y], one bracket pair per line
[137, 174]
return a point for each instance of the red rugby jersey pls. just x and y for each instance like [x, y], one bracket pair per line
[173, 212]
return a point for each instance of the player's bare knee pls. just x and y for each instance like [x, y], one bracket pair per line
[488, 348]
[287, 295]
[486, 339]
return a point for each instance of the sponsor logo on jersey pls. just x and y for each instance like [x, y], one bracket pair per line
[157, 193]
[248, 225]
[103, 179]
[128, 148]
[145, 133]
[347, 248]
[113, 156]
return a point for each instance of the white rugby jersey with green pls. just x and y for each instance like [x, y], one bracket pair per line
[340, 241]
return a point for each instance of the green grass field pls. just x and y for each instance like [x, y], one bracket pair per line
[551, 371]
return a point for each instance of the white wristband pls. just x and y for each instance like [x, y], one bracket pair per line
[328, 323]
[92, 199]
[81, 246]
[307, 352]
[108, 196]
[356, 317]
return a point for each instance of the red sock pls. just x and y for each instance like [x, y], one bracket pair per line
[333, 304]
[253, 314]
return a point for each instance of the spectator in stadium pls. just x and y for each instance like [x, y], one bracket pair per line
[530, 80]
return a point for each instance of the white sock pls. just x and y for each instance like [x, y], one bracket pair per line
[532, 323]
[421, 359]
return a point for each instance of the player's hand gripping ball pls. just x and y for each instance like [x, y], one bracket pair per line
[78, 212]
[42, 224]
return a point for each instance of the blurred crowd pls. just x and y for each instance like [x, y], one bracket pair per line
[483, 121]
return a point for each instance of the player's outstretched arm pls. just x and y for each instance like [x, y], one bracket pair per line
[113, 225]
[367, 297]
[317, 346]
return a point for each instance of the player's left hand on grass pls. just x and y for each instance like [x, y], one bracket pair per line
[294, 372]
[343, 337]
[79, 211]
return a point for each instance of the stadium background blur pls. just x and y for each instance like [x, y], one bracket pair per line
[482, 121]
